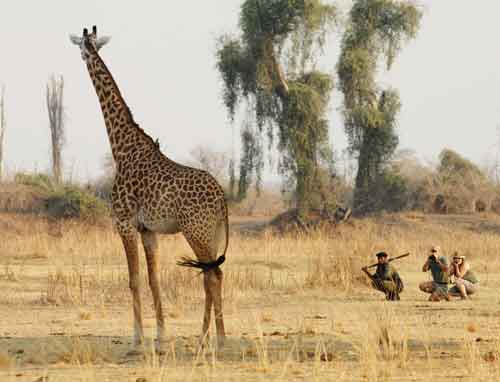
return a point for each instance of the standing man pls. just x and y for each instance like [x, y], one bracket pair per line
[386, 278]
[440, 270]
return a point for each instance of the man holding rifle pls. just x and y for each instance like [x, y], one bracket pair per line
[386, 278]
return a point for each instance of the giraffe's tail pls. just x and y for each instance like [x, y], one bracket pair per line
[206, 267]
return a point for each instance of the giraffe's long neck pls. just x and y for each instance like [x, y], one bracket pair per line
[124, 134]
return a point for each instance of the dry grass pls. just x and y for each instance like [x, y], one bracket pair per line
[297, 307]
[80, 352]
[6, 361]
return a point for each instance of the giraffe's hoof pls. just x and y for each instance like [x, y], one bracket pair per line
[204, 339]
[221, 341]
[162, 344]
[138, 342]
[160, 351]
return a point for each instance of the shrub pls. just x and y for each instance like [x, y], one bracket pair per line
[37, 193]
[40, 181]
[72, 202]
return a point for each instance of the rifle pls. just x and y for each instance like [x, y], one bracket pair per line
[390, 259]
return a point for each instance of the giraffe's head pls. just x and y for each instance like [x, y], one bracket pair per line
[89, 42]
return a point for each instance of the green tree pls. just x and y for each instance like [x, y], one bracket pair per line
[271, 68]
[376, 30]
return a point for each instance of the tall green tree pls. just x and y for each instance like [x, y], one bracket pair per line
[271, 68]
[375, 33]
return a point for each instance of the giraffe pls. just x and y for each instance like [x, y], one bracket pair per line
[153, 195]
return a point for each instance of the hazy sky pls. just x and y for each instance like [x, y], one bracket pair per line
[162, 58]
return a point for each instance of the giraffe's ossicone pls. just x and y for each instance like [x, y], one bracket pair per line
[153, 194]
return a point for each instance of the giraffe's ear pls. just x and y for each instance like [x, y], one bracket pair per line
[75, 39]
[101, 41]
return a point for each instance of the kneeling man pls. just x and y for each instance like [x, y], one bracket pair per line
[439, 267]
[386, 278]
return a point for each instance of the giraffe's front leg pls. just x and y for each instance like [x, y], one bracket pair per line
[150, 244]
[129, 239]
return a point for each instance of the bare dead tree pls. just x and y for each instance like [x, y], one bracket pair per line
[213, 161]
[3, 124]
[55, 108]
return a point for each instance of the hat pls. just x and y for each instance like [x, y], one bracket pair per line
[436, 249]
[381, 254]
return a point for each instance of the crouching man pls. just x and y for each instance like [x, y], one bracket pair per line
[439, 267]
[386, 278]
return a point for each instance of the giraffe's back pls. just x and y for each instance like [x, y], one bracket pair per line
[172, 197]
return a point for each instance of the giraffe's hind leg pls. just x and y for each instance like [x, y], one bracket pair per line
[213, 296]
[150, 244]
[212, 282]
[217, 300]
[208, 307]
[216, 277]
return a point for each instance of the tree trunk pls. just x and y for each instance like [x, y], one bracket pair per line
[275, 71]
[367, 173]
[56, 124]
[2, 130]
[301, 195]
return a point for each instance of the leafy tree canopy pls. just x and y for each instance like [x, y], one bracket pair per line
[376, 31]
[453, 168]
[271, 67]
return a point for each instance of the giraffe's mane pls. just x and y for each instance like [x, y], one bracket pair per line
[127, 109]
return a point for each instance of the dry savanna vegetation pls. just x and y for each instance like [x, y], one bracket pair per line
[296, 307]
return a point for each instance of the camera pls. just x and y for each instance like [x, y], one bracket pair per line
[433, 258]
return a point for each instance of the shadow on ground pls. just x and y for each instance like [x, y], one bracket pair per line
[274, 347]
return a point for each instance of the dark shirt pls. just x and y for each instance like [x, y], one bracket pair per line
[385, 271]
